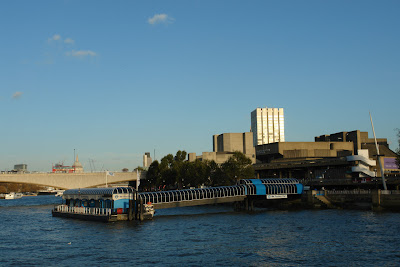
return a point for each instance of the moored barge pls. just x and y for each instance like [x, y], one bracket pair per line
[102, 204]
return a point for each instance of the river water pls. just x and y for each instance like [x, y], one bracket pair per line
[198, 236]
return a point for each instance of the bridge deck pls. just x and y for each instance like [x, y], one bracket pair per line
[198, 202]
[222, 194]
[194, 197]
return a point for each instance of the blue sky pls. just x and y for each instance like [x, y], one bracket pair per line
[115, 79]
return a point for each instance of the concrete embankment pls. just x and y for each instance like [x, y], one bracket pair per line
[353, 199]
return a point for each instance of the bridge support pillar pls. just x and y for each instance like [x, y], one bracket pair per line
[248, 204]
[245, 205]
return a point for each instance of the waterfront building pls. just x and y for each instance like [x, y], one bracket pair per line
[224, 145]
[362, 142]
[267, 125]
[344, 158]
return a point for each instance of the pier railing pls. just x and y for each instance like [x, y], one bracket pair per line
[360, 192]
[390, 192]
[192, 194]
[348, 192]
[83, 210]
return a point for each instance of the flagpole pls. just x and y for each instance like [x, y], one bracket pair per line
[378, 156]
[106, 178]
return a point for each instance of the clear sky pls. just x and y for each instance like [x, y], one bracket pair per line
[115, 79]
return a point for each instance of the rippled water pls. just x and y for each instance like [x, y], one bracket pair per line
[199, 236]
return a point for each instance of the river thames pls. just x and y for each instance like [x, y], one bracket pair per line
[198, 236]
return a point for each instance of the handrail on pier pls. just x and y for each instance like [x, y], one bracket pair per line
[83, 210]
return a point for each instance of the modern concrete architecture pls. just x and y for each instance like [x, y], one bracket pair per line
[147, 160]
[347, 156]
[361, 143]
[267, 125]
[224, 145]
[302, 160]
[21, 168]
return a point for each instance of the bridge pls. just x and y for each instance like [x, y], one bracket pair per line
[68, 180]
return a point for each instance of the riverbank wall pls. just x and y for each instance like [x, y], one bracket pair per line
[353, 199]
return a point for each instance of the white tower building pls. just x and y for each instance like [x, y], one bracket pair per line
[267, 125]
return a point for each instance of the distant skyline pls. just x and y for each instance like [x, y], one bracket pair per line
[114, 80]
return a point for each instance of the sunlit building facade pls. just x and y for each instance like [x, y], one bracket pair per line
[267, 125]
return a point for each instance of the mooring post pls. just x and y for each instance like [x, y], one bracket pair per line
[130, 210]
[141, 213]
[136, 206]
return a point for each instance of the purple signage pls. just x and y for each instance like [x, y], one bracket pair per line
[390, 163]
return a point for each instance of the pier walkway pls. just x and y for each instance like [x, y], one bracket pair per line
[125, 203]
[268, 188]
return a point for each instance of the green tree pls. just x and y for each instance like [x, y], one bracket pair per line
[177, 166]
[180, 156]
[177, 172]
[171, 170]
[216, 176]
[152, 176]
[237, 167]
[3, 189]
[195, 173]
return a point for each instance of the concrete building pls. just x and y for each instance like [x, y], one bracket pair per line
[147, 160]
[345, 156]
[361, 143]
[21, 168]
[231, 142]
[303, 160]
[224, 145]
[267, 125]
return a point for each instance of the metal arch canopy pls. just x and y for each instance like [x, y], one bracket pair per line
[270, 181]
[99, 191]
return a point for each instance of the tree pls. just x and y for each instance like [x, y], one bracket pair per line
[3, 189]
[214, 173]
[195, 173]
[177, 172]
[237, 167]
[152, 175]
[180, 156]
[125, 170]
